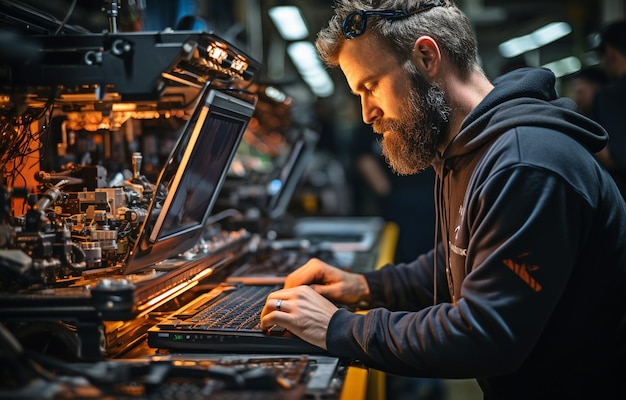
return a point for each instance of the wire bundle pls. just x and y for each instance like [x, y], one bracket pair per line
[18, 141]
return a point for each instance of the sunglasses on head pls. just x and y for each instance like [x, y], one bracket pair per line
[355, 23]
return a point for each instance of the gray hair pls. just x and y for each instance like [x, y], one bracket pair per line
[446, 23]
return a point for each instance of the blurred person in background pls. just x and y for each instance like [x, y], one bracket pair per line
[609, 107]
[585, 85]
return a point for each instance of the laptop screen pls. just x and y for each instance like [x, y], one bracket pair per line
[281, 188]
[191, 179]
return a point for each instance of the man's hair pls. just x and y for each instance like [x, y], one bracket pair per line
[446, 23]
[614, 35]
[592, 75]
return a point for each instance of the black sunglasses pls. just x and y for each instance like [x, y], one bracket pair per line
[354, 24]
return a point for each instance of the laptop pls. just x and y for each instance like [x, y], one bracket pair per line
[191, 179]
[226, 318]
[281, 187]
[266, 194]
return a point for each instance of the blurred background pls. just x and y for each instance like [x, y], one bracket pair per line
[346, 175]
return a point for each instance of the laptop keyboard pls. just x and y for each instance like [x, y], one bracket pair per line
[235, 308]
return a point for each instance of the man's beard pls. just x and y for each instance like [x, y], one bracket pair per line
[410, 143]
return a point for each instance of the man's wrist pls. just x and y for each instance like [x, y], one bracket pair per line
[365, 290]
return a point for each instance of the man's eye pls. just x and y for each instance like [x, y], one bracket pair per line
[370, 87]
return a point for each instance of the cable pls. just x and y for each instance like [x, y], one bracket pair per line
[67, 17]
[16, 137]
[231, 212]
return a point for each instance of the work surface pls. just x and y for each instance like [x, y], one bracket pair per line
[143, 372]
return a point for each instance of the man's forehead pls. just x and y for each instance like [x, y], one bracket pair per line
[362, 57]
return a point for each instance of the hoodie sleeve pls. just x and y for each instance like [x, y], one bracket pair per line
[524, 225]
[410, 286]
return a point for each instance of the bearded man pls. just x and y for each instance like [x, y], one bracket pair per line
[525, 290]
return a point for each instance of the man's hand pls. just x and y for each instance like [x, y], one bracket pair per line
[331, 282]
[301, 306]
[301, 311]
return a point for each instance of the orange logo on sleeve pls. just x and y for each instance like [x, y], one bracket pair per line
[521, 270]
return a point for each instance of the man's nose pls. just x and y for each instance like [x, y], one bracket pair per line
[370, 110]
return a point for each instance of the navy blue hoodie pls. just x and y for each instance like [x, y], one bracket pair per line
[530, 273]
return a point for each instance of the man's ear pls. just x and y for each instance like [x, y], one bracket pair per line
[426, 56]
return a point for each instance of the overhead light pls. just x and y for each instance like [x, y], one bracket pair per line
[289, 22]
[275, 94]
[541, 37]
[565, 66]
[551, 33]
[304, 56]
[481, 15]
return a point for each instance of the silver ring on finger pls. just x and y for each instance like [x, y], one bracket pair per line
[279, 302]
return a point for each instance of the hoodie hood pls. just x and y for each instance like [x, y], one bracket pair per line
[523, 98]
